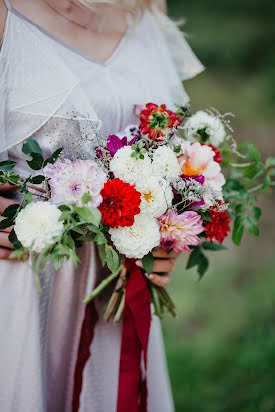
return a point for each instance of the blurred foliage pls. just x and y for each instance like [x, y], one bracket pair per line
[221, 346]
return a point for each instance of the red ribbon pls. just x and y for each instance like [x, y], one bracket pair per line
[132, 391]
[86, 337]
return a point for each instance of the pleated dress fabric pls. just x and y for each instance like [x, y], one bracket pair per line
[42, 81]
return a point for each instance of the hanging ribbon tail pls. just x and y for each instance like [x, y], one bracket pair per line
[132, 390]
[86, 338]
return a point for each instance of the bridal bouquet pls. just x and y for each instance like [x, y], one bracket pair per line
[176, 181]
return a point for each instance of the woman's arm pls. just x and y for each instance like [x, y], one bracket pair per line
[162, 5]
[3, 15]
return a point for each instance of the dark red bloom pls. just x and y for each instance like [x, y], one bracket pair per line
[157, 120]
[120, 203]
[219, 228]
[217, 158]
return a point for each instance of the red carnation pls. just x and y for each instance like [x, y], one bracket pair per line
[219, 227]
[157, 120]
[217, 158]
[120, 203]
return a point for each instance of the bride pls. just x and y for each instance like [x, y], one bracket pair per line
[76, 56]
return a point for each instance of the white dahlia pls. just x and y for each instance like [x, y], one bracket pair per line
[213, 126]
[128, 168]
[137, 240]
[37, 224]
[165, 163]
[156, 196]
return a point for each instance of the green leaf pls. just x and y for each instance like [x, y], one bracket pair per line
[251, 226]
[11, 211]
[254, 171]
[58, 262]
[30, 147]
[67, 240]
[28, 197]
[86, 198]
[102, 254]
[238, 230]
[37, 179]
[64, 208]
[89, 215]
[202, 265]
[100, 239]
[5, 223]
[256, 211]
[213, 246]
[270, 162]
[78, 230]
[193, 257]
[37, 161]
[14, 240]
[112, 258]
[148, 263]
[54, 156]
[253, 153]
[240, 208]
[7, 165]
[93, 228]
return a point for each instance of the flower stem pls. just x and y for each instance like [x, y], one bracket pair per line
[120, 309]
[114, 298]
[103, 285]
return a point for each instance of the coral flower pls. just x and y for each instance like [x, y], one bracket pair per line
[199, 160]
[178, 232]
[120, 203]
[219, 227]
[156, 121]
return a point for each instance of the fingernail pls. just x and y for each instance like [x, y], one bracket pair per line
[139, 263]
[149, 276]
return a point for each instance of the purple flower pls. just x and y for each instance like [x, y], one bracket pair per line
[114, 143]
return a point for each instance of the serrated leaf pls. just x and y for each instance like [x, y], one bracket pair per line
[213, 246]
[14, 240]
[148, 263]
[251, 226]
[112, 259]
[11, 210]
[89, 215]
[254, 153]
[37, 161]
[256, 212]
[238, 229]
[7, 165]
[30, 147]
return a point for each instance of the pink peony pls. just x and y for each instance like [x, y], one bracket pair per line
[178, 232]
[200, 161]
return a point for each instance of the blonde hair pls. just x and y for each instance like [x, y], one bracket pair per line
[131, 6]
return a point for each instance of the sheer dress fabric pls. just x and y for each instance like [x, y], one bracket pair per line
[44, 83]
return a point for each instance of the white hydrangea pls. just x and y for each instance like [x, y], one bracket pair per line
[37, 224]
[165, 163]
[137, 240]
[156, 196]
[212, 124]
[128, 168]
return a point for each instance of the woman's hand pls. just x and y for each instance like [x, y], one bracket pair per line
[164, 263]
[5, 245]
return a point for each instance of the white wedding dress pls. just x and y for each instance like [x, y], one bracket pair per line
[43, 83]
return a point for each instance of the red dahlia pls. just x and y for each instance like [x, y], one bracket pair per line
[217, 158]
[120, 203]
[219, 227]
[157, 120]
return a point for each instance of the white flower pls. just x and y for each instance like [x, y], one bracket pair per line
[156, 196]
[165, 163]
[70, 180]
[213, 126]
[137, 240]
[37, 224]
[128, 168]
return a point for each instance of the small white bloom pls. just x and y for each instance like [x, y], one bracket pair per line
[137, 240]
[128, 168]
[156, 196]
[213, 126]
[37, 224]
[165, 163]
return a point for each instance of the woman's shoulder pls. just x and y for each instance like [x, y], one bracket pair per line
[3, 16]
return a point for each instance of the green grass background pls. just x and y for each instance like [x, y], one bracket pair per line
[221, 346]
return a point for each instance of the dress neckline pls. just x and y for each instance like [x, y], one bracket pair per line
[65, 45]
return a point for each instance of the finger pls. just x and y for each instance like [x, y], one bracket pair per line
[159, 280]
[4, 240]
[4, 203]
[162, 254]
[5, 254]
[7, 187]
[160, 265]
[8, 229]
